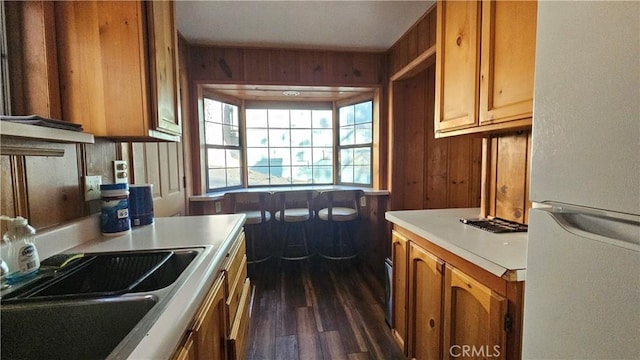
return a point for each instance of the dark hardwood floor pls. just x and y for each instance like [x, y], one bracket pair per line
[318, 309]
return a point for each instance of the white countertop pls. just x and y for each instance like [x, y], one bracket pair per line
[496, 253]
[214, 232]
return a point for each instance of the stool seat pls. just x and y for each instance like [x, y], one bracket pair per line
[338, 214]
[294, 215]
[255, 216]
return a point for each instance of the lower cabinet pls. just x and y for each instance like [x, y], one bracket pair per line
[448, 313]
[220, 328]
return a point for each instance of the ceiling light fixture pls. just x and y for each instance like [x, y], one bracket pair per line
[291, 93]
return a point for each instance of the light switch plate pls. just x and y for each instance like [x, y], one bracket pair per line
[92, 187]
[120, 171]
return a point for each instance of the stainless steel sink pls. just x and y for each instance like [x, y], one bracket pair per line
[100, 307]
[108, 274]
[81, 329]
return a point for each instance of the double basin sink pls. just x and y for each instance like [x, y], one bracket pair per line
[97, 306]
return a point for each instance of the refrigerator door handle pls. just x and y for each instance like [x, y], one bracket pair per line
[623, 233]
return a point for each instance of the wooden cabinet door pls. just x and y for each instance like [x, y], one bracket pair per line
[399, 257]
[163, 46]
[425, 304]
[508, 60]
[457, 64]
[473, 317]
[210, 326]
[238, 335]
[187, 350]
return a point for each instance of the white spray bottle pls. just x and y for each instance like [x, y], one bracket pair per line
[23, 260]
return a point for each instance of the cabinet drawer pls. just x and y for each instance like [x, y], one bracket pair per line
[237, 342]
[234, 261]
[235, 291]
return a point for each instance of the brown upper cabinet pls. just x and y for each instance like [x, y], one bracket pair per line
[485, 57]
[118, 68]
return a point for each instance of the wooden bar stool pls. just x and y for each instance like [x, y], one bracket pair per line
[254, 206]
[294, 212]
[341, 210]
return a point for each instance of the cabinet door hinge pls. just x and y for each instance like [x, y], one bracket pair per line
[508, 323]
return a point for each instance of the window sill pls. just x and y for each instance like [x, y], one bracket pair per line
[217, 196]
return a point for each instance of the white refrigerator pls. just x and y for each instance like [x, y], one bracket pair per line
[582, 292]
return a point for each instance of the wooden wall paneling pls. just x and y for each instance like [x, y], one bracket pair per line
[97, 159]
[432, 26]
[202, 64]
[214, 63]
[313, 67]
[493, 175]
[228, 64]
[511, 177]
[54, 196]
[10, 191]
[257, 65]
[33, 59]
[395, 148]
[436, 153]
[459, 171]
[423, 34]
[412, 43]
[341, 68]
[184, 111]
[413, 140]
[366, 69]
[285, 66]
[475, 193]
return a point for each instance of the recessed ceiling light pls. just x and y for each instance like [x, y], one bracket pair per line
[291, 93]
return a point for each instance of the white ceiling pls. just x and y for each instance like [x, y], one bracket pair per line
[327, 25]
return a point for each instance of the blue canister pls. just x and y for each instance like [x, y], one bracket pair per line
[141, 204]
[115, 209]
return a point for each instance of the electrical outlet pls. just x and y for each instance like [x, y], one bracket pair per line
[92, 187]
[120, 171]
[218, 207]
[363, 201]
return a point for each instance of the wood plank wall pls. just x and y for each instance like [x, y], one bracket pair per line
[418, 39]
[429, 173]
[509, 172]
[233, 65]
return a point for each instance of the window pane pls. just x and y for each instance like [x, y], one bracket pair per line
[322, 119]
[216, 158]
[323, 174]
[234, 177]
[256, 118]
[346, 115]
[279, 137]
[233, 158]
[363, 134]
[279, 119]
[297, 140]
[362, 156]
[362, 174]
[346, 156]
[258, 157]
[280, 175]
[301, 137]
[363, 112]
[231, 135]
[213, 133]
[301, 156]
[323, 156]
[259, 173]
[347, 135]
[257, 137]
[212, 111]
[217, 178]
[301, 174]
[346, 173]
[301, 118]
[230, 115]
